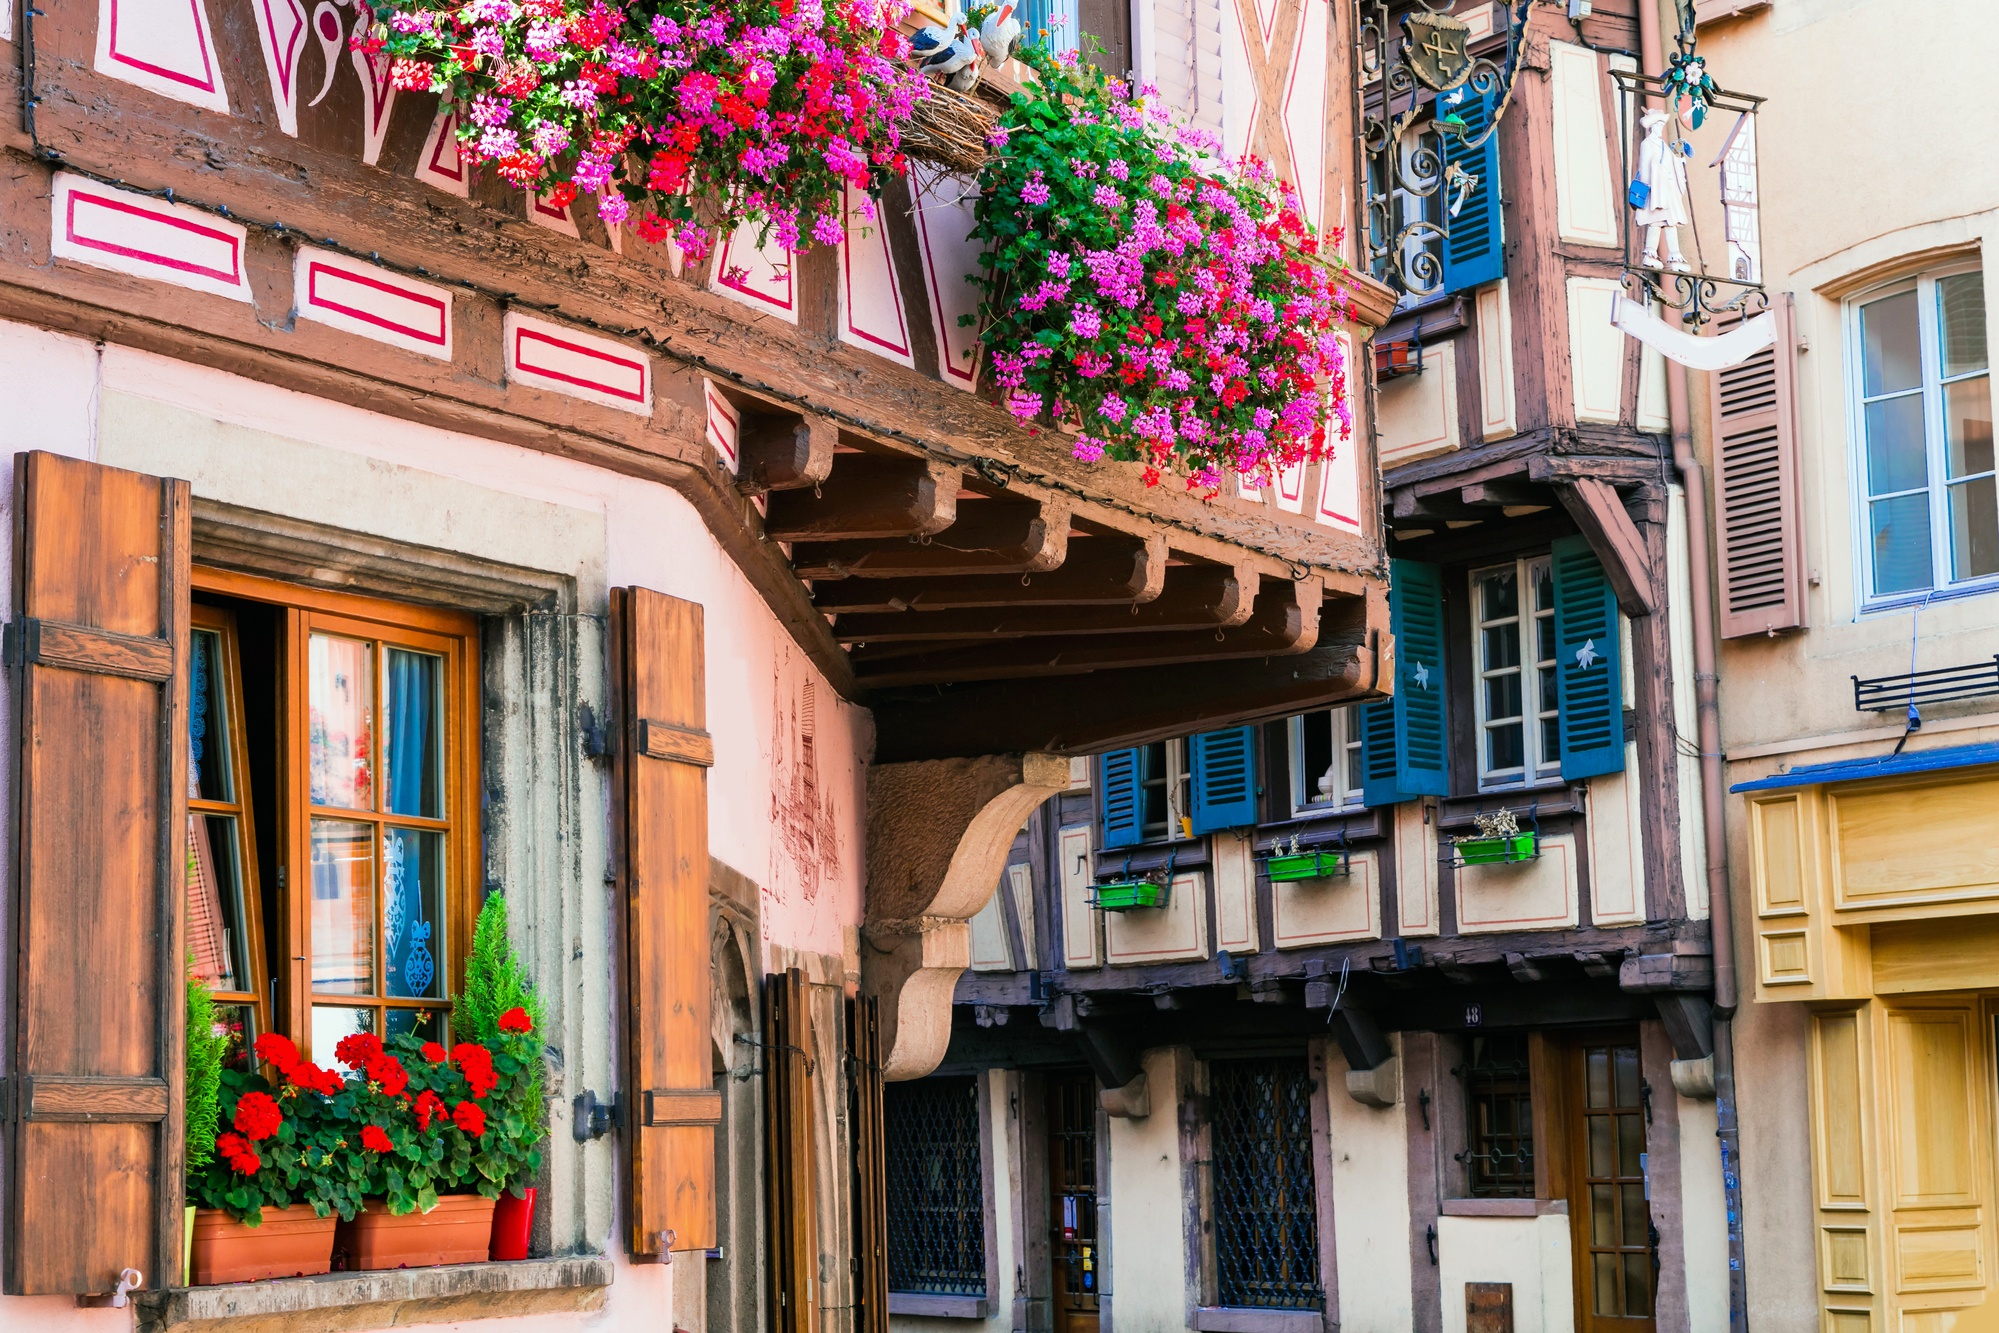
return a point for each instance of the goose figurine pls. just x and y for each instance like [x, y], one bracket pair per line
[999, 33]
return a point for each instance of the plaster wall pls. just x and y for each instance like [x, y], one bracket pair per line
[1532, 1253]
[787, 815]
[1146, 1277]
[1371, 1225]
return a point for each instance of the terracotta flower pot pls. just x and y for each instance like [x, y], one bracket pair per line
[458, 1231]
[513, 1224]
[290, 1242]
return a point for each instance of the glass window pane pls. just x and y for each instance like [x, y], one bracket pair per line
[412, 749]
[1900, 531]
[343, 907]
[1502, 696]
[1544, 639]
[1602, 1215]
[1498, 599]
[1503, 748]
[1891, 356]
[427, 1024]
[1895, 457]
[1551, 690]
[1967, 427]
[1974, 529]
[1315, 756]
[1551, 739]
[413, 932]
[1543, 574]
[331, 1022]
[1637, 1222]
[1630, 1145]
[237, 1022]
[1606, 1284]
[340, 690]
[1596, 1063]
[1638, 1285]
[1961, 323]
[208, 721]
[1624, 1061]
[1601, 1160]
[217, 927]
[1502, 647]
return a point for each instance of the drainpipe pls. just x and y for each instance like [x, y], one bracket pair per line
[1721, 916]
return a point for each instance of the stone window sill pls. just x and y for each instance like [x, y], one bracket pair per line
[334, 1302]
[939, 1307]
[1220, 1319]
[1505, 1208]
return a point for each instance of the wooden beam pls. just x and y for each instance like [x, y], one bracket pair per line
[1285, 620]
[1618, 470]
[783, 451]
[1444, 506]
[1498, 493]
[989, 537]
[1100, 571]
[1132, 706]
[1612, 535]
[1196, 597]
[868, 495]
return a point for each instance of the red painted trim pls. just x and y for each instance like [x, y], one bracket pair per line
[847, 272]
[722, 267]
[284, 54]
[718, 406]
[201, 31]
[447, 132]
[316, 267]
[521, 335]
[231, 275]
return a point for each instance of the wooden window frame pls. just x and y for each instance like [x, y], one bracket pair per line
[448, 633]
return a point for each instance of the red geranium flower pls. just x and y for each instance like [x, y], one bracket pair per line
[429, 1106]
[278, 1049]
[357, 1050]
[387, 1072]
[257, 1116]
[376, 1139]
[476, 1063]
[434, 1053]
[516, 1020]
[236, 1151]
[469, 1118]
[311, 1077]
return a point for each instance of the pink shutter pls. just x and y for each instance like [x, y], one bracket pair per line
[1760, 535]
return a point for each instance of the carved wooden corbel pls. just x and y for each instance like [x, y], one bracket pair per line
[938, 835]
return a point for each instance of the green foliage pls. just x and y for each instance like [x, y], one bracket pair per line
[306, 1161]
[205, 1047]
[495, 982]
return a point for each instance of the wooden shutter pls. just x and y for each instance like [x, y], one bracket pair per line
[1223, 778]
[98, 656]
[1753, 413]
[1123, 817]
[1416, 619]
[1377, 754]
[1473, 253]
[1589, 665]
[662, 779]
[790, 1176]
[870, 1168]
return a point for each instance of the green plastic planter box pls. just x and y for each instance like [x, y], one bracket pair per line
[1498, 851]
[1317, 864]
[1130, 895]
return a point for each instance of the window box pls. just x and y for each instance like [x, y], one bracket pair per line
[1130, 895]
[1498, 851]
[1315, 864]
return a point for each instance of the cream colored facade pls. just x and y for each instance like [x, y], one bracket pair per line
[1865, 908]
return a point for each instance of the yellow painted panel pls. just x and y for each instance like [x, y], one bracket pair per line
[1952, 953]
[1785, 957]
[1842, 1165]
[1780, 859]
[1938, 1258]
[1929, 1071]
[1845, 1250]
[1848, 1321]
[1915, 842]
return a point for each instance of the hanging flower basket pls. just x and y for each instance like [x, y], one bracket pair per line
[682, 115]
[1177, 308]
[1131, 895]
[1319, 863]
[1498, 851]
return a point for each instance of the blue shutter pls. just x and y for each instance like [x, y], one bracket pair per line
[1416, 619]
[1589, 670]
[1472, 252]
[1223, 765]
[1123, 821]
[1377, 753]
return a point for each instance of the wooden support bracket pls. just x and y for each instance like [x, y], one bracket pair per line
[1614, 537]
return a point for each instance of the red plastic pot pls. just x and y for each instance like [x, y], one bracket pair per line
[513, 1224]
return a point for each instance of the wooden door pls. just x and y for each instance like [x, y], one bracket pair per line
[1072, 1197]
[1617, 1270]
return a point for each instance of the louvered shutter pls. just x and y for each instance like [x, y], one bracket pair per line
[1416, 619]
[870, 1165]
[1589, 667]
[1224, 778]
[791, 1269]
[1377, 754]
[1473, 254]
[1753, 411]
[1118, 790]
[97, 653]
[662, 780]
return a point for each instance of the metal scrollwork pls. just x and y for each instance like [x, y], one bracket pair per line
[1411, 51]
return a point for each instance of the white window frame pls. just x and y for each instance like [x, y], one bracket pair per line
[1305, 796]
[1179, 795]
[1538, 769]
[1924, 285]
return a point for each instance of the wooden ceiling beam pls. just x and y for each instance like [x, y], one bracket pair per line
[1100, 571]
[1614, 537]
[989, 537]
[1195, 597]
[1285, 620]
[784, 451]
[868, 496]
[1501, 494]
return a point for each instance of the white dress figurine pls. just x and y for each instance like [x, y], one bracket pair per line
[1662, 169]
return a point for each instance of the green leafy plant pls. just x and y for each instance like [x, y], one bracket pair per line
[206, 1043]
[284, 1139]
[499, 1007]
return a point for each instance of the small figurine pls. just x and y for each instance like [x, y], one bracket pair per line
[1660, 192]
[999, 31]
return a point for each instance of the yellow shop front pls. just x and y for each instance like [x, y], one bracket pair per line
[1876, 902]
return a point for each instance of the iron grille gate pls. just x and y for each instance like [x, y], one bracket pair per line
[1265, 1197]
[936, 1195]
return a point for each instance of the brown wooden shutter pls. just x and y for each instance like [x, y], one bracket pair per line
[870, 1167]
[97, 654]
[790, 1173]
[661, 773]
[1758, 493]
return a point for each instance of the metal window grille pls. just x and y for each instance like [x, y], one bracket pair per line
[936, 1197]
[1265, 1199]
[1499, 1119]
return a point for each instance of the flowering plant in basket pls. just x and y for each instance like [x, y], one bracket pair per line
[283, 1140]
[687, 113]
[1175, 305]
